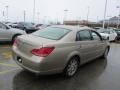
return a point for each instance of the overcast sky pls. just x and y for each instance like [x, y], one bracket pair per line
[53, 10]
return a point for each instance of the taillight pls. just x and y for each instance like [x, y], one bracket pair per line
[42, 52]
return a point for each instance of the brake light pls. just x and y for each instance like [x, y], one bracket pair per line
[42, 52]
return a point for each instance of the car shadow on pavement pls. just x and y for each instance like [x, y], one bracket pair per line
[86, 74]
[5, 43]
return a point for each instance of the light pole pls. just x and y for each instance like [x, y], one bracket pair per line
[38, 17]
[118, 17]
[105, 13]
[34, 11]
[108, 21]
[3, 15]
[97, 19]
[88, 13]
[44, 20]
[65, 15]
[7, 12]
[79, 18]
[24, 15]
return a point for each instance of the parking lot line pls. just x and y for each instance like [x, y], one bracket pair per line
[7, 54]
[7, 71]
[5, 46]
[9, 65]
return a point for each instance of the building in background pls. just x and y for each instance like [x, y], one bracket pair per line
[114, 20]
[78, 22]
[83, 22]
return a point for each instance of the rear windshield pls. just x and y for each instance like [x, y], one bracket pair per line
[51, 33]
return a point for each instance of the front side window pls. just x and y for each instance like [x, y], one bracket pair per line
[95, 36]
[84, 35]
[51, 33]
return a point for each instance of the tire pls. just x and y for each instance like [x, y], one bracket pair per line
[116, 40]
[71, 67]
[105, 53]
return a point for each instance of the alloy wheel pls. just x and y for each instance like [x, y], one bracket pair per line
[72, 67]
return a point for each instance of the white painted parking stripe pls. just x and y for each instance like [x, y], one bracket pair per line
[7, 46]
[9, 65]
[7, 71]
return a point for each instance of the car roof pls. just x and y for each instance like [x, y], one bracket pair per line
[70, 27]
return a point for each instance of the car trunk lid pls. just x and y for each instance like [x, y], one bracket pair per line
[26, 43]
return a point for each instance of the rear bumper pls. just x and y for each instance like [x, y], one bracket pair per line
[35, 65]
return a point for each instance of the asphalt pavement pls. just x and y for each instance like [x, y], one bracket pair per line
[99, 74]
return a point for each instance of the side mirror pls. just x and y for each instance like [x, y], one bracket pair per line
[105, 38]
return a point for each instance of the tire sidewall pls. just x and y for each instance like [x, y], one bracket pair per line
[66, 71]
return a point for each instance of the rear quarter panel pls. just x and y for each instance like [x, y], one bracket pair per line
[62, 54]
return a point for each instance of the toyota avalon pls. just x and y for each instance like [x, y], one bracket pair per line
[59, 49]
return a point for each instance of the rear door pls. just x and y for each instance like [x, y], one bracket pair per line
[85, 45]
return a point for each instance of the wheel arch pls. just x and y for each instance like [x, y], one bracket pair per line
[72, 55]
[15, 36]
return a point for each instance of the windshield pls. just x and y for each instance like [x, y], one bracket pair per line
[51, 33]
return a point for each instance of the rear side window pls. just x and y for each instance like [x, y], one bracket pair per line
[52, 33]
[84, 35]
